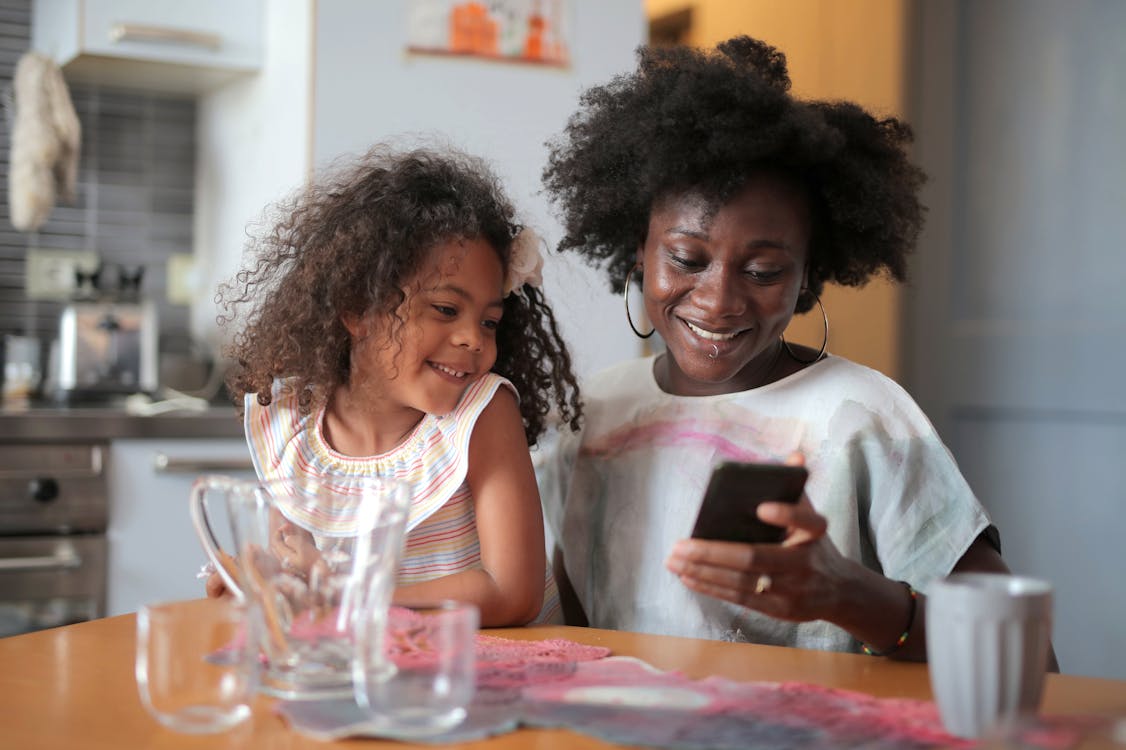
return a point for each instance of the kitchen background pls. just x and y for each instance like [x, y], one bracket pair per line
[93, 500]
[134, 202]
[1011, 335]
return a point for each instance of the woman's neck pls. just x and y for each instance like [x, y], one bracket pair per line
[359, 426]
[767, 367]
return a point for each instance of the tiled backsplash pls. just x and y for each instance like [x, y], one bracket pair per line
[134, 199]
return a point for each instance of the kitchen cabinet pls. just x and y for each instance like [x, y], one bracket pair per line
[154, 554]
[178, 47]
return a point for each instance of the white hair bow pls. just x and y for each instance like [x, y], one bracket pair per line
[525, 263]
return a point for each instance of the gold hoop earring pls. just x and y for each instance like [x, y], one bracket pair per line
[629, 319]
[824, 342]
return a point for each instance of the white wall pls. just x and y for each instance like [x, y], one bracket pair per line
[1017, 317]
[256, 143]
[252, 149]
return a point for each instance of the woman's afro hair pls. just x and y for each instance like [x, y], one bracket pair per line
[706, 120]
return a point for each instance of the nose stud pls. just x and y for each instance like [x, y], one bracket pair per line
[715, 351]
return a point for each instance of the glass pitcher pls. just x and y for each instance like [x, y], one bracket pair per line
[312, 556]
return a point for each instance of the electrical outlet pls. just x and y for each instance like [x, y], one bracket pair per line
[49, 274]
[183, 279]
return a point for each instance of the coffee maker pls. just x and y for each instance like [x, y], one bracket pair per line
[108, 338]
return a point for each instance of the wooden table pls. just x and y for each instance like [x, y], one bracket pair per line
[73, 687]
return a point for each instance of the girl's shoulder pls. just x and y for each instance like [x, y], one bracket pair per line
[454, 430]
[283, 394]
[283, 408]
[479, 394]
[435, 461]
[272, 429]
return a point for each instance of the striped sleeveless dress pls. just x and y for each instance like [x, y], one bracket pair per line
[441, 532]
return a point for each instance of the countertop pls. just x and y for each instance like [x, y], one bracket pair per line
[52, 423]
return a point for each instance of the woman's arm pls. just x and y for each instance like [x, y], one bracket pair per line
[811, 580]
[508, 589]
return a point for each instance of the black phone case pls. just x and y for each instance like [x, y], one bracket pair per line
[735, 490]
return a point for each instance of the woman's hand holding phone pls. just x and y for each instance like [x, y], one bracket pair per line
[729, 510]
[799, 578]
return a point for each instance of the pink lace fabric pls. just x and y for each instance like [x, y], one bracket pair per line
[505, 663]
[501, 662]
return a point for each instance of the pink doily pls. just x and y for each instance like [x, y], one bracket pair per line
[495, 650]
[505, 663]
[501, 662]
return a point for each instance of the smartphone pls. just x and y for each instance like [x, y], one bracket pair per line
[735, 490]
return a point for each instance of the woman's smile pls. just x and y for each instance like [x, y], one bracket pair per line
[715, 344]
[714, 336]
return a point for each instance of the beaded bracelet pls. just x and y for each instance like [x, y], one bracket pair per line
[906, 632]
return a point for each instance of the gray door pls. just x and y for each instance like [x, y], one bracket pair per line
[1016, 317]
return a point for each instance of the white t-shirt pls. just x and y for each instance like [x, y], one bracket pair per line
[621, 492]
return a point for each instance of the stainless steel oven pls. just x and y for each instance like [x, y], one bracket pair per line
[54, 508]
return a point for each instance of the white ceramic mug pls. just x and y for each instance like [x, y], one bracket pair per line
[988, 639]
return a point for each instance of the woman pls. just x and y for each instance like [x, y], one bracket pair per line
[732, 203]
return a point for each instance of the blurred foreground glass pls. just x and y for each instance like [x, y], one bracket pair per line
[433, 679]
[313, 555]
[196, 664]
[988, 637]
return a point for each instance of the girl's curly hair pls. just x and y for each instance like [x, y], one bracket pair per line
[350, 244]
[690, 119]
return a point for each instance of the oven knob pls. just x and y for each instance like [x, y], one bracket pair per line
[43, 489]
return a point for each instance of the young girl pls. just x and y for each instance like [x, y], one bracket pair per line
[395, 327]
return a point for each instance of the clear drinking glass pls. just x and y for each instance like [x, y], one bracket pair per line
[433, 679]
[196, 663]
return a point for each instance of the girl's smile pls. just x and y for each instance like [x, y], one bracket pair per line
[455, 376]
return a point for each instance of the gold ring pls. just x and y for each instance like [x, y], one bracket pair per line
[763, 583]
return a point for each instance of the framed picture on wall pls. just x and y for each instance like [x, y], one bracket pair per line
[517, 31]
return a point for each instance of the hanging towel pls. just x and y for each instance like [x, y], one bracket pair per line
[45, 138]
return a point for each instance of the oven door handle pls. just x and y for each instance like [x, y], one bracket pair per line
[61, 560]
[165, 464]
